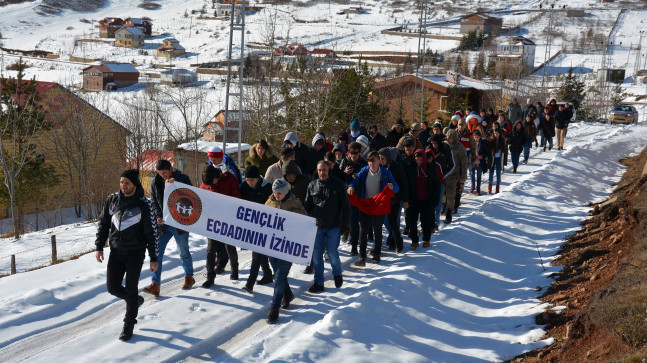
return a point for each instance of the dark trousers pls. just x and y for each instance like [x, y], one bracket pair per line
[130, 265]
[223, 252]
[394, 223]
[259, 260]
[425, 211]
[354, 226]
[366, 223]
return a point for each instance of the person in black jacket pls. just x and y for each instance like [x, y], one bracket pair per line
[401, 199]
[127, 223]
[562, 119]
[258, 190]
[396, 133]
[351, 165]
[300, 150]
[424, 193]
[378, 140]
[518, 138]
[166, 173]
[327, 202]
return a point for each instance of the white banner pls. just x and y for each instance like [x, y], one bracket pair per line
[237, 222]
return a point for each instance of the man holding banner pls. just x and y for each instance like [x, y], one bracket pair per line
[327, 202]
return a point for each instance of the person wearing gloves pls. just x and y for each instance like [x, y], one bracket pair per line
[282, 198]
[128, 224]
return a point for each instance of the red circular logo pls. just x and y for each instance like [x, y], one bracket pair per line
[185, 206]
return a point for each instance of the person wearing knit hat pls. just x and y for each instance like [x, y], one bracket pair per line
[215, 155]
[218, 157]
[363, 140]
[251, 171]
[126, 223]
[281, 198]
[424, 196]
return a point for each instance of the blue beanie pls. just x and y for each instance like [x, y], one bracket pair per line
[355, 124]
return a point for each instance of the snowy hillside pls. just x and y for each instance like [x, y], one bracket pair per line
[471, 296]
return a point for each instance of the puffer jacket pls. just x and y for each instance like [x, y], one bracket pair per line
[261, 162]
[517, 139]
[290, 203]
[459, 172]
[128, 224]
[328, 203]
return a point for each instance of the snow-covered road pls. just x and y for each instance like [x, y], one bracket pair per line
[470, 296]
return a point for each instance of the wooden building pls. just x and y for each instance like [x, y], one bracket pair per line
[170, 48]
[144, 24]
[481, 23]
[145, 163]
[108, 27]
[109, 76]
[398, 94]
[129, 37]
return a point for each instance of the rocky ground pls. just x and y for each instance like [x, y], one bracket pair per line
[603, 285]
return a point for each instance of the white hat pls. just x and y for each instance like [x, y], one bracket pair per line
[363, 140]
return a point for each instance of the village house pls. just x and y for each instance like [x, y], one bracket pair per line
[515, 52]
[86, 147]
[223, 9]
[144, 24]
[439, 89]
[213, 130]
[108, 27]
[170, 48]
[291, 50]
[145, 163]
[129, 37]
[109, 76]
[178, 77]
[481, 23]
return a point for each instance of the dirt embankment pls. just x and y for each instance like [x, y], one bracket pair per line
[603, 284]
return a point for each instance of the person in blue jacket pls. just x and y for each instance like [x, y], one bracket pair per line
[370, 181]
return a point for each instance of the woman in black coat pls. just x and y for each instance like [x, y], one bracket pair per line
[518, 139]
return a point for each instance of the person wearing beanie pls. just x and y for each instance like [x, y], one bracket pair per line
[363, 141]
[258, 190]
[261, 155]
[455, 178]
[300, 150]
[453, 124]
[126, 223]
[356, 130]
[473, 120]
[413, 134]
[218, 158]
[281, 198]
[213, 179]
[166, 174]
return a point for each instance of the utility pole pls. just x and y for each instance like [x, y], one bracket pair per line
[549, 39]
[237, 23]
[638, 54]
[419, 91]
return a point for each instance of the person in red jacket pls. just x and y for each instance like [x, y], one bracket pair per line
[215, 180]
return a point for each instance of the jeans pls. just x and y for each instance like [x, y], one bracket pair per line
[515, 160]
[368, 222]
[479, 171]
[439, 207]
[259, 261]
[424, 210]
[130, 265]
[216, 248]
[281, 285]
[392, 222]
[526, 149]
[328, 239]
[182, 241]
[496, 165]
[354, 226]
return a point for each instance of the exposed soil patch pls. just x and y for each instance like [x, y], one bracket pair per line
[603, 284]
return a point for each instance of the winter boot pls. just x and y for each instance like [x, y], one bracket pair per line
[497, 189]
[448, 217]
[316, 288]
[514, 170]
[472, 189]
[426, 244]
[127, 332]
[489, 189]
[189, 281]
[308, 269]
[478, 191]
[339, 280]
[153, 288]
[267, 279]
[248, 288]
[361, 262]
[390, 243]
[209, 282]
[234, 272]
[287, 298]
[140, 301]
[273, 316]
[413, 246]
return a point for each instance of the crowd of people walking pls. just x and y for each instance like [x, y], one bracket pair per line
[353, 185]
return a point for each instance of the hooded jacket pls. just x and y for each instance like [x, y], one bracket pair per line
[300, 185]
[444, 156]
[428, 171]
[517, 138]
[262, 163]
[459, 172]
[300, 150]
[473, 120]
[314, 155]
[128, 224]
[399, 174]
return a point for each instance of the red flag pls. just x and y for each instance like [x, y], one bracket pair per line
[379, 205]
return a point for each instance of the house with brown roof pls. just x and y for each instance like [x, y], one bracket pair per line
[439, 89]
[481, 23]
[145, 163]
[86, 146]
[129, 37]
[291, 49]
[170, 48]
[517, 51]
[108, 27]
[213, 130]
[144, 24]
[109, 76]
